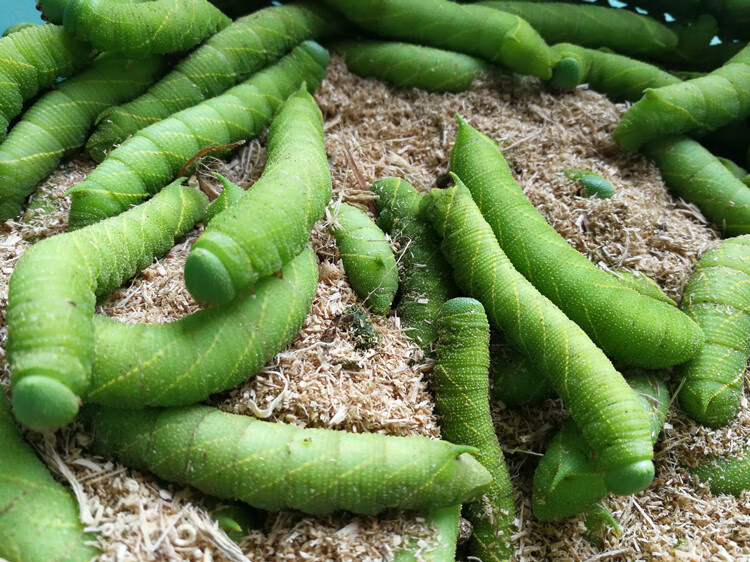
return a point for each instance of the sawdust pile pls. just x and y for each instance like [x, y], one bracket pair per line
[323, 380]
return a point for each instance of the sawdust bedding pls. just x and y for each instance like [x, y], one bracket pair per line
[322, 380]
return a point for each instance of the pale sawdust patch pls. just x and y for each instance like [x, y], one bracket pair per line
[373, 131]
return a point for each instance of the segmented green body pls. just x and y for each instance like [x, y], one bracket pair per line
[38, 516]
[59, 123]
[628, 326]
[425, 278]
[226, 59]
[615, 75]
[593, 26]
[515, 380]
[230, 195]
[411, 66]
[717, 297]
[156, 154]
[729, 474]
[696, 106]
[368, 259]
[143, 27]
[276, 466]
[53, 291]
[693, 173]
[459, 381]
[17, 27]
[593, 185]
[475, 30]
[596, 395]
[214, 349]
[271, 222]
[32, 59]
[568, 479]
[442, 548]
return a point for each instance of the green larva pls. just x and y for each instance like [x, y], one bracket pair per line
[226, 59]
[17, 27]
[694, 174]
[737, 171]
[38, 516]
[52, 295]
[367, 256]
[59, 123]
[461, 387]
[596, 395]
[592, 184]
[515, 380]
[275, 466]
[643, 284]
[32, 59]
[425, 278]
[230, 195]
[214, 349]
[155, 155]
[411, 66]
[143, 28]
[475, 30]
[272, 221]
[630, 327]
[729, 474]
[615, 75]
[717, 297]
[593, 26]
[696, 106]
[442, 548]
[568, 479]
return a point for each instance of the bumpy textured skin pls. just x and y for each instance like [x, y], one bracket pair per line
[727, 474]
[31, 61]
[615, 75]
[271, 222]
[38, 516]
[53, 292]
[59, 122]
[214, 349]
[461, 387]
[592, 184]
[17, 27]
[596, 395]
[628, 326]
[368, 259]
[425, 278]
[142, 28]
[230, 194]
[442, 547]
[226, 59]
[693, 173]
[593, 26]
[717, 297]
[475, 30]
[568, 480]
[695, 106]
[155, 155]
[411, 66]
[643, 284]
[275, 466]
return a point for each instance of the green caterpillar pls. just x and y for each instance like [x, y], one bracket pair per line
[275, 466]
[729, 474]
[459, 381]
[697, 106]
[271, 222]
[615, 75]
[593, 26]
[226, 59]
[426, 279]
[596, 395]
[52, 295]
[630, 327]
[368, 259]
[156, 154]
[32, 59]
[38, 516]
[717, 297]
[445, 523]
[59, 123]
[411, 66]
[211, 350]
[693, 173]
[139, 28]
[737, 171]
[568, 479]
[515, 380]
[593, 185]
[475, 30]
[18, 27]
